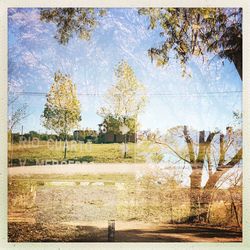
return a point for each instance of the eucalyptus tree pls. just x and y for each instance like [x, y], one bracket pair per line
[188, 32]
[70, 21]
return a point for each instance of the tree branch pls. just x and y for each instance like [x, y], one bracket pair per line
[165, 144]
[189, 144]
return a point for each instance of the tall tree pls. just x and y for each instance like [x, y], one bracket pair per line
[126, 99]
[62, 109]
[81, 21]
[196, 31]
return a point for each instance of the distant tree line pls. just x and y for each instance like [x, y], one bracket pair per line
[78, 135]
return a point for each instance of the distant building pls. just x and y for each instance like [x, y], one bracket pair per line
[85, 135]
[106, 136]
[110, 137]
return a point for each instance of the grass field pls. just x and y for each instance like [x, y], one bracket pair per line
[100, 153]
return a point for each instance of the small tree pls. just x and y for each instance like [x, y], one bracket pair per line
[62, 109]
[125, 99]
[16, 114]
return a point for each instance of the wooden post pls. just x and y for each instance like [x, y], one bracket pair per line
[111, 230]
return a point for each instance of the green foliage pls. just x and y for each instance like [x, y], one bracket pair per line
[85, 135]
[34, 134]
[62, 109]
[114, 124]
[196, 31]
[81, 21]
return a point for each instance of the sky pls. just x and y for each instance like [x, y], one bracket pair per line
[206, 100]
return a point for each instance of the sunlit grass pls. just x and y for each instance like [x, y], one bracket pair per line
[99, 153]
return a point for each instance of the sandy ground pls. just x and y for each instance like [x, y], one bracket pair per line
[91, 168]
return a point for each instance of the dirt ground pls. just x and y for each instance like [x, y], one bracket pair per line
[89, 168]
[54, 208]
[125, 232]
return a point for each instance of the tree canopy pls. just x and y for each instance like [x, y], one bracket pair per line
[196, 31]
[185, 31]
[81, 21]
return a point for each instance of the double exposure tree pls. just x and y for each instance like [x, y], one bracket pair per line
[215, 152]
[62, 109]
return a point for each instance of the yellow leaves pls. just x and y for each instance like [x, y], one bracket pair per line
[197, 51]
[128, 96]
[160, 62]
[184, 47]
[62, 110]
[196, 27]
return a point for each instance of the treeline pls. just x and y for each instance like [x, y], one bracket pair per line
[78, 135]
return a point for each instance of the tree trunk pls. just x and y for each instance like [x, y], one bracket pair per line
[213, 179]
[238, 64]
[125, 145]
[195, 192]
[65, 147]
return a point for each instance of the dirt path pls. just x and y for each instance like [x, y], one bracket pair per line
[91, 168]
[125, 232]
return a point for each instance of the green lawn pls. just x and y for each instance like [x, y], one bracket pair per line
[99, 153]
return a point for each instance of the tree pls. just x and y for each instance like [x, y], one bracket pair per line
[197, 31]
[216, 152]
[114, 123]
[19, 113]
[186, 31]
[62, 109]
[126, 99]
[81, 21]
[85, 135]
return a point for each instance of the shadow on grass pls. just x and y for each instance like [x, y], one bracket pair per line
[33, 162]
[87, 158]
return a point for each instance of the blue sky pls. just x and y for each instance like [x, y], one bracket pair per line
[35, 55]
